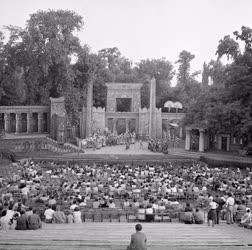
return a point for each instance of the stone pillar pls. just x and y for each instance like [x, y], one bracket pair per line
[180, 132]
[127, 125]
[40, 118]
[188, 139]
[228, 143]
[219, 142]
[48, 122]
[114, 125]
[18, 120]
[7, 122]
[89, 111]
[201, 141]
[29, 122]
[152, 120]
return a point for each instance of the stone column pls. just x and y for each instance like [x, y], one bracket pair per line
[114, 125]
[201, 140]
[180, 132]
[18, 120]
[7, 122]
[29, 122]
[228, 143]
[152, 120]
[40, 118]
[127, 125]
[219, 142]
[188, 139]
[89, 112]
[48, 122]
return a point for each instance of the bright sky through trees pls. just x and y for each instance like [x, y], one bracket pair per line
[146, 28]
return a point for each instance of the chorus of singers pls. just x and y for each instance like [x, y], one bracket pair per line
[162, 146]
[98, 140]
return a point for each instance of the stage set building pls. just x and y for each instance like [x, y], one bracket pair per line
[123, 113]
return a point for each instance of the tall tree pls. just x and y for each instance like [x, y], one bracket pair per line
[163, 72]
[184, 61]
[187, 88]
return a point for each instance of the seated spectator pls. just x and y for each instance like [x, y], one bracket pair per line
[22, 221]
[198, 216]
[58, 216]
[49, 214]
[29, 212]
[149, 213]
[188, 208]
[161, 207]
[240, 211]
[126, 204]
[52, 201]
[112, 204]
[34, 221]
[69, 217]
[96, 203]
[141, 213]
[138, 239]
[77, 215]
[246, 218]
[74, 205]
[188, 217]
[4, 221]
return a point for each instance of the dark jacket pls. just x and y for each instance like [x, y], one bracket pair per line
[34, 221]
[22, 222]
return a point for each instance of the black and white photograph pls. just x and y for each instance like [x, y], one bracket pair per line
[126, 125]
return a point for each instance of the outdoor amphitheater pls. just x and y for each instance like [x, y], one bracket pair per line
[110, 227]
[125, 125]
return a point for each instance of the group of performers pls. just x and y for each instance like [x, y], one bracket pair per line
[122, 139]
[98, 140]
[158, 146]
[162, 146]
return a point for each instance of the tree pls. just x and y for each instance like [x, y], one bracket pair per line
[187, 88]
[119, 68]
[184, 61]
[205, 75]
[42, 52]
[163, 72]
[226, 107]
[229, 47]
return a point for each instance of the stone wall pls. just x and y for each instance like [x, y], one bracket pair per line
[98, 121]
[123, 90]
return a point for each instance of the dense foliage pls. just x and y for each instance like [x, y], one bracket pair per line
[46, 59]
[226, 105]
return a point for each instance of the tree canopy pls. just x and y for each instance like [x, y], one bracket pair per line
[36, 62]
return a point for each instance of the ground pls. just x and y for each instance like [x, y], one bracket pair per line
[116, 236]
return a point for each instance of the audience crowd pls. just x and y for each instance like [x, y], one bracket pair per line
[59, 192]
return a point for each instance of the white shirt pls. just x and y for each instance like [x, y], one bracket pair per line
[230, 201]
[213, 205]
[49, 214]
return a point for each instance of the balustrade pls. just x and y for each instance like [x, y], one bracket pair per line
[26, 124]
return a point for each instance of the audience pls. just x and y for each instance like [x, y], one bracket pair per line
[34, 221]
[22, 221]
[146, 189]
